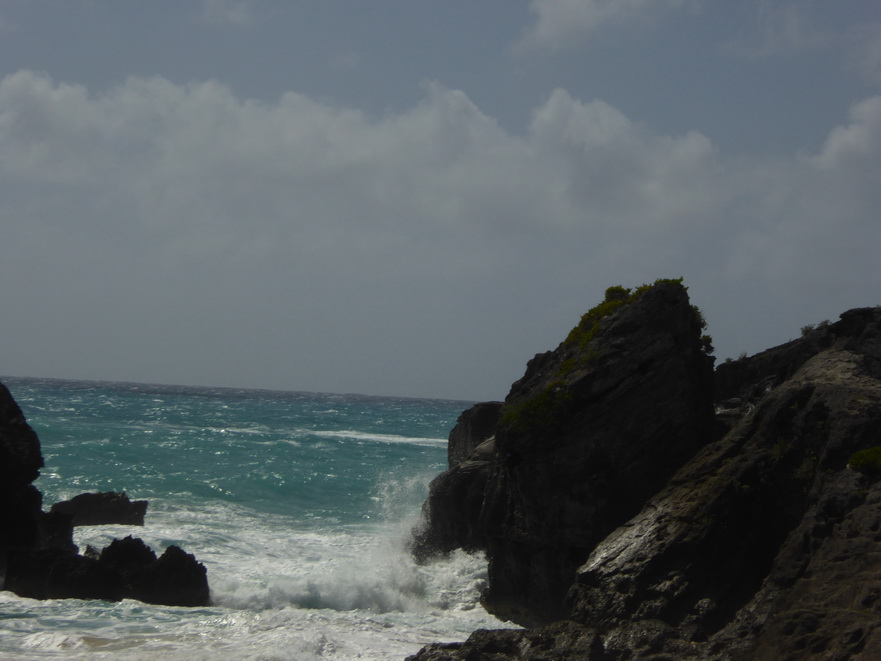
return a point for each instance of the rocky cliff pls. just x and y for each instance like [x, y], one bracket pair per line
[672, 526]
[38, 558]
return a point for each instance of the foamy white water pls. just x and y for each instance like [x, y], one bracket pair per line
[299, 505]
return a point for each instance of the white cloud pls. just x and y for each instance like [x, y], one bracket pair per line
[566, 23]
[178, 233]
[855, 148]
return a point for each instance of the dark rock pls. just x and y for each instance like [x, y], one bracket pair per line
[175, 579]
[20, 463]
[560, 641]
[764, 545]
[38, 558]
[762, 533]
[473, 428]
[20, 457]
[584, 438]
[57, 573]
[126, 569]
[130, 556]
[454, 509]
[107, 507]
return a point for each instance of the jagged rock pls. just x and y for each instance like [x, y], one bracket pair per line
[20, 463]
[174, 579]
[451, 515]
[106, 507]
[57, 573]
[454, 509]
[590, 431]
[472, 429]
[560, 641]
[126, 569]
[130, 556]
[765, 545]
[38, 558]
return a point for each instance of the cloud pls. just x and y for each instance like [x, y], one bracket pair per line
[162, 232]
[567, 23]
[780, 29]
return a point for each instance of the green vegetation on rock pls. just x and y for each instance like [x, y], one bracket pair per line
[866, 461]
[540, 410]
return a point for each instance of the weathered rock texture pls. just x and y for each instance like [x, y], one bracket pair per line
[585, 437]
[762, 544]
[38, 558]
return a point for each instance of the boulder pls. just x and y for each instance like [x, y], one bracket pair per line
[97, 509]
[174, 579]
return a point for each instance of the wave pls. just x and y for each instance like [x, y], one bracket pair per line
[383, 581]
[355, 435]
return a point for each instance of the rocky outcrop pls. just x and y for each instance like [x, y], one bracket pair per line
[763, 544]
[102, 508]
[20, 464]
[126, 569]
[457, 494]
[584, 438]
[38, 558]
[473, 428]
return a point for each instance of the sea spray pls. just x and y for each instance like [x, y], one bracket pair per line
[299, 505]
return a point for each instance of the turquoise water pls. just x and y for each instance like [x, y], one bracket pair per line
[298, 504]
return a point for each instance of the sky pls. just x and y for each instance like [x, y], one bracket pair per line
[414, 198]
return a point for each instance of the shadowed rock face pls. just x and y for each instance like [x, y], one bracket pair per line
[456, 500]
[764, 544]
[20, 464]
[590, 431]
[38, 558]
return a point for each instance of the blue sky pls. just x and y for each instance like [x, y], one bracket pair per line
[413, 198]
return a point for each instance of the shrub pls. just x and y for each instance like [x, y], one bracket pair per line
[866, 461]
[539, 411]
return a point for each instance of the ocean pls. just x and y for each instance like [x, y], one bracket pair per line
[299, 505]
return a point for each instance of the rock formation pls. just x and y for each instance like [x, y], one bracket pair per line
[756, 535]
[584, 438]
[38, 558]
[103, 508]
